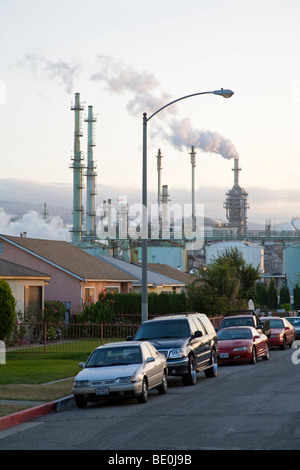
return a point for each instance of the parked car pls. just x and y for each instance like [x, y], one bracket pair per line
[295, 321]
[187, 340]
[246, 318]
[242, 344]
[282, 332]
[121, 370]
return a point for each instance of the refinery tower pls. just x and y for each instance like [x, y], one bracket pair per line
[236, 203]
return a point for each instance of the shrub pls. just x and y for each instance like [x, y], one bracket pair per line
[7, 310]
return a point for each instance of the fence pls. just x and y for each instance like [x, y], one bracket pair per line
[66, 337]
[70, 337]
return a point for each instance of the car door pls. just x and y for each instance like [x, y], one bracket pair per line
[153, 369]
[259, 339]
[289, 331]
[200, 345]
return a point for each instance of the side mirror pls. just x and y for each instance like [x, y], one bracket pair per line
[81, 364]
[129, 338]
[198, 334]
[256, 337]
[150, 359]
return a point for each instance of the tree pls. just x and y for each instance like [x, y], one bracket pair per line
[272, 295]
[7, 310]
[231, 276]
[260, 295]
[226, 284]
[297, 297]
[284, 294]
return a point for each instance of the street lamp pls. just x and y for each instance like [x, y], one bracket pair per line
[221, 92]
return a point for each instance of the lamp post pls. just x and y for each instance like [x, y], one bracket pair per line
[221, 92]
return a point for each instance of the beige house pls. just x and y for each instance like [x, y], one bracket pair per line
[76, 276]
[27, 285]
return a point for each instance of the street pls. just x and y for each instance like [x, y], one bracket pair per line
[245, 407]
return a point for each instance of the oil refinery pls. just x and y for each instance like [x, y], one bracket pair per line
[116, 231]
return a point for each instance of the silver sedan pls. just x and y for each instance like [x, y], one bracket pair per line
[122, 369]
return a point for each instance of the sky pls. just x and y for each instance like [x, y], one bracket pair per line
[127, 57]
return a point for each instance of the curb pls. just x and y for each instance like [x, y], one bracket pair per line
[20, 417]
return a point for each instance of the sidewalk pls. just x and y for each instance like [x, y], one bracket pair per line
[40, 409]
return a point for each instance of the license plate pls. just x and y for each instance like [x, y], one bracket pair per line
[102, 391]
[224, 355]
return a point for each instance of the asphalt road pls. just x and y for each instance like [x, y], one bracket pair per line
[244, 407]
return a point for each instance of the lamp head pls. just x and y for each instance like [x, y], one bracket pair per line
[224, 93]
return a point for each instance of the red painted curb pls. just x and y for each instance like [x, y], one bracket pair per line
[26, 415]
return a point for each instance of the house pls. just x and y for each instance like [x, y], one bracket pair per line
[172, 272]
[27, 285]
[76, 276]
[157, 282]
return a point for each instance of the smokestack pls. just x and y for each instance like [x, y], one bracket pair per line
[236, 170]
[193, 163]
[77, 173]
[165, 220]
[159, 168]
[90, 178]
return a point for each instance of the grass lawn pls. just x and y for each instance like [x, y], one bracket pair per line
[26, 375]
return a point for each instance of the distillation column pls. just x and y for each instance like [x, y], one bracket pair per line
[193, 163]
[90, 178]
[77, 172]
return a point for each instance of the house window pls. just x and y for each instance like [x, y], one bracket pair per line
[1, 248]
[33, 298]
[89, 295]
[112, 289]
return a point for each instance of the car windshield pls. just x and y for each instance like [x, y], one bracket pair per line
[276, 324]
[163, 329]
[115, 356]
[239, 333]
[227, 322]
[294, 321]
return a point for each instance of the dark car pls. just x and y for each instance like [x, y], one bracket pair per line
[188, 340]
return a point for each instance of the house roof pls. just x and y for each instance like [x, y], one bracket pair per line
[70, 259]
[169, 271]
[10, 270]
[154, 278]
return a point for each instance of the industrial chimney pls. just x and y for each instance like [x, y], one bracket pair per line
[90, 178]
[77, 173]
[193, 163]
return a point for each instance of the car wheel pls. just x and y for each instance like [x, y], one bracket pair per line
[267, 356]
[283, 345]
[80, 402]
[143, 397]
[213, 370]
[163, 387]
[254, 358]
[190, 378]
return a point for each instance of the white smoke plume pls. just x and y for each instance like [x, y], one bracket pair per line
[120, 77]
[52, 228]
[59, 70]
[183, 134]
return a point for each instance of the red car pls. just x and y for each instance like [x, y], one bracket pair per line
[282, 332]
[242, 343]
